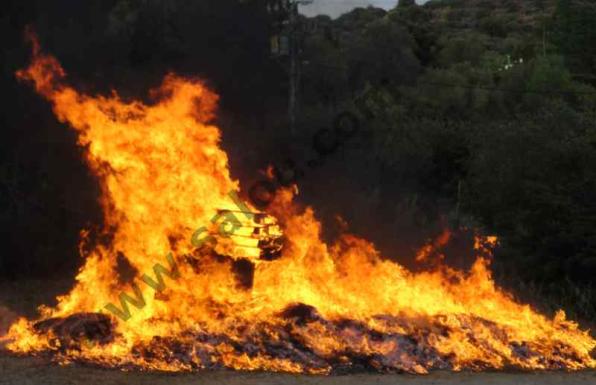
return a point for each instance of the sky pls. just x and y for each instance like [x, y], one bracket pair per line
[335, 8]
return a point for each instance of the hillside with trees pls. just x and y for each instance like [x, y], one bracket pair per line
[487, 110]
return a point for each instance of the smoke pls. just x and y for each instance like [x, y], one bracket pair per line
[335, 8]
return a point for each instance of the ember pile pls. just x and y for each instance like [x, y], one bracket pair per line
[168, 287]
[296, 339]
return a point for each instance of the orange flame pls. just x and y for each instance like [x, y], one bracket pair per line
[163, 175]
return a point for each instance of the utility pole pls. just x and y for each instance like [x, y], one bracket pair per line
[294, 53]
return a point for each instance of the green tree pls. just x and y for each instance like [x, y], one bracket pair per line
[382, 53]
[575, 34]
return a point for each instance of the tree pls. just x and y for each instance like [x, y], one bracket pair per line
[382, 53]
[406, 3]
[575, 33]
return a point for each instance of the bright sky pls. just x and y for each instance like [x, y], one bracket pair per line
[335, 8]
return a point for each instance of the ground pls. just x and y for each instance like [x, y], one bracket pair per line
[33, 371]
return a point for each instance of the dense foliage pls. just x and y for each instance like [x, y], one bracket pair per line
[488, 107]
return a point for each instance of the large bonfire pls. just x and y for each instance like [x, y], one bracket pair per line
[148, 296]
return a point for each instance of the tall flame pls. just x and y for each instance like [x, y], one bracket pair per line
[163, 175]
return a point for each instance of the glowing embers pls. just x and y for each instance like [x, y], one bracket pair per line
[301, 340]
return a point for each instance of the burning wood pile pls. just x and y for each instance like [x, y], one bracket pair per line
[237, 291]
[299, 338]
